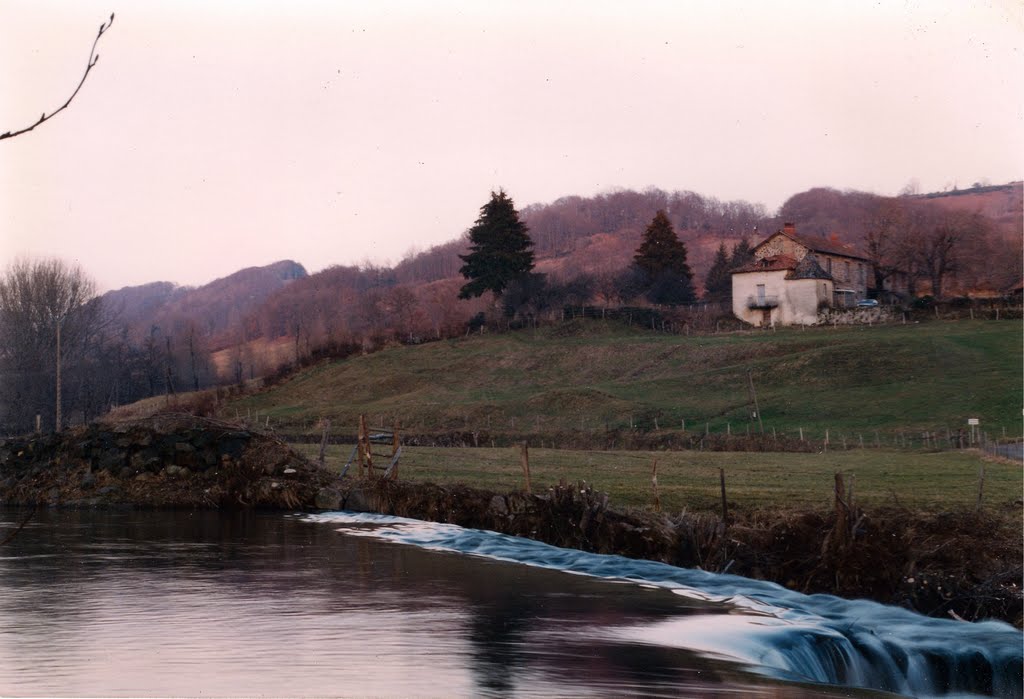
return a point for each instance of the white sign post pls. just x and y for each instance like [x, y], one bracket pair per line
[973, 422]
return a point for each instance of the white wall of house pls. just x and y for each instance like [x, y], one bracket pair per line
[803, 299]
[792, 301]
[754, 285]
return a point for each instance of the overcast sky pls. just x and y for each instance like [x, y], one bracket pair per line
[216, 135]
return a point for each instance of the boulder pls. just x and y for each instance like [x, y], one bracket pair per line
[498, 506]
[358, 501]
[328, 499]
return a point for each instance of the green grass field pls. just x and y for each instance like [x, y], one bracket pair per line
[592, 375]
[688, 479]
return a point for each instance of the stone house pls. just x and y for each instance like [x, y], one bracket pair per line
[793, 277]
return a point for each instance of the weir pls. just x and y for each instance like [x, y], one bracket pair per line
[770, 629]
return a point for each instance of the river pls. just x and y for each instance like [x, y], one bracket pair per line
[141, 603]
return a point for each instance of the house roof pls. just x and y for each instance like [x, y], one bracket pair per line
[773, 263]
[808, 268]
[817, 243]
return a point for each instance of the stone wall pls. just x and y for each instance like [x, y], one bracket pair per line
[857, 316]
[163, 462]
[778, 244]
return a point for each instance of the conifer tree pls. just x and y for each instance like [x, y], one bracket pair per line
[661, 263]
[742, 253]
[718, 283]
[500, 249]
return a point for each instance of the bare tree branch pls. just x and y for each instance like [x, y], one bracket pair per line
[93, 58]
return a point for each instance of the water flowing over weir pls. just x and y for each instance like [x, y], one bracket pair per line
[772, 630]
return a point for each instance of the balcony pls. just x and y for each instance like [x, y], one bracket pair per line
[755, 302]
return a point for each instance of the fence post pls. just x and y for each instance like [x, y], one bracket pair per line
[326, 424]
[524, 459]
[981, 485]
[725, 503]
[654, 482]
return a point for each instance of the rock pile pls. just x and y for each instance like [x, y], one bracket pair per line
[160, 462]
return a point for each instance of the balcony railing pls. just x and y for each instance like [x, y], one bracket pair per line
[762, 301]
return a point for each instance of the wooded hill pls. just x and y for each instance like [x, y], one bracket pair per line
[161, 339]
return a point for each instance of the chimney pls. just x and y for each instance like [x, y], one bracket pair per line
[789, 228]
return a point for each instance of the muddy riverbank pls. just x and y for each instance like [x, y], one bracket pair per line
[961, 564]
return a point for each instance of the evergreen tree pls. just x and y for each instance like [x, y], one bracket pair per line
[500, 249]
[742, 254]
[660, 262]
[718, 283]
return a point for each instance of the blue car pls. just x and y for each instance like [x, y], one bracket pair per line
[867, 303]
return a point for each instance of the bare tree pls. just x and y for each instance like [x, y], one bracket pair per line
[882, 238]
[41, 301]
[90, 64]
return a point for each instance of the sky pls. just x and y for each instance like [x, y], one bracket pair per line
[213, 136]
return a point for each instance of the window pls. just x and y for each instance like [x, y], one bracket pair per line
[847, 276]
[760, 293]
[828, 265]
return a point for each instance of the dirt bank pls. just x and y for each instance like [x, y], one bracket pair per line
[965, 564]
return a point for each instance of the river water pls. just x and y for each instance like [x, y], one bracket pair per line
[129, 603]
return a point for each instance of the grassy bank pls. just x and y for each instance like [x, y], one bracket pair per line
[690, 480]
[588, 376]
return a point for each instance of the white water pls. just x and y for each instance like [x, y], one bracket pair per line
[772, 630]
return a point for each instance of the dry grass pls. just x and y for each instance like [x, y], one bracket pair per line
[690, 480]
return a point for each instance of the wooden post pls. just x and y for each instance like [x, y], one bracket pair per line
[981, 485]
[728, 428]
[842, 510]
[682, 424]
[326, 424]
[58, 416]
[39, 423]
[753, 397]
[365, 453]
[654, 482]
[524, 460]
[861, 438]
[396, 452]
[801, 433]
[725, 503]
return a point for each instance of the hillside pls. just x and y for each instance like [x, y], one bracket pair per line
[593, 375]
[1002, 204]
[215, 309]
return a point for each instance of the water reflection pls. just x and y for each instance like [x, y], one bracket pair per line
[138, 603]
